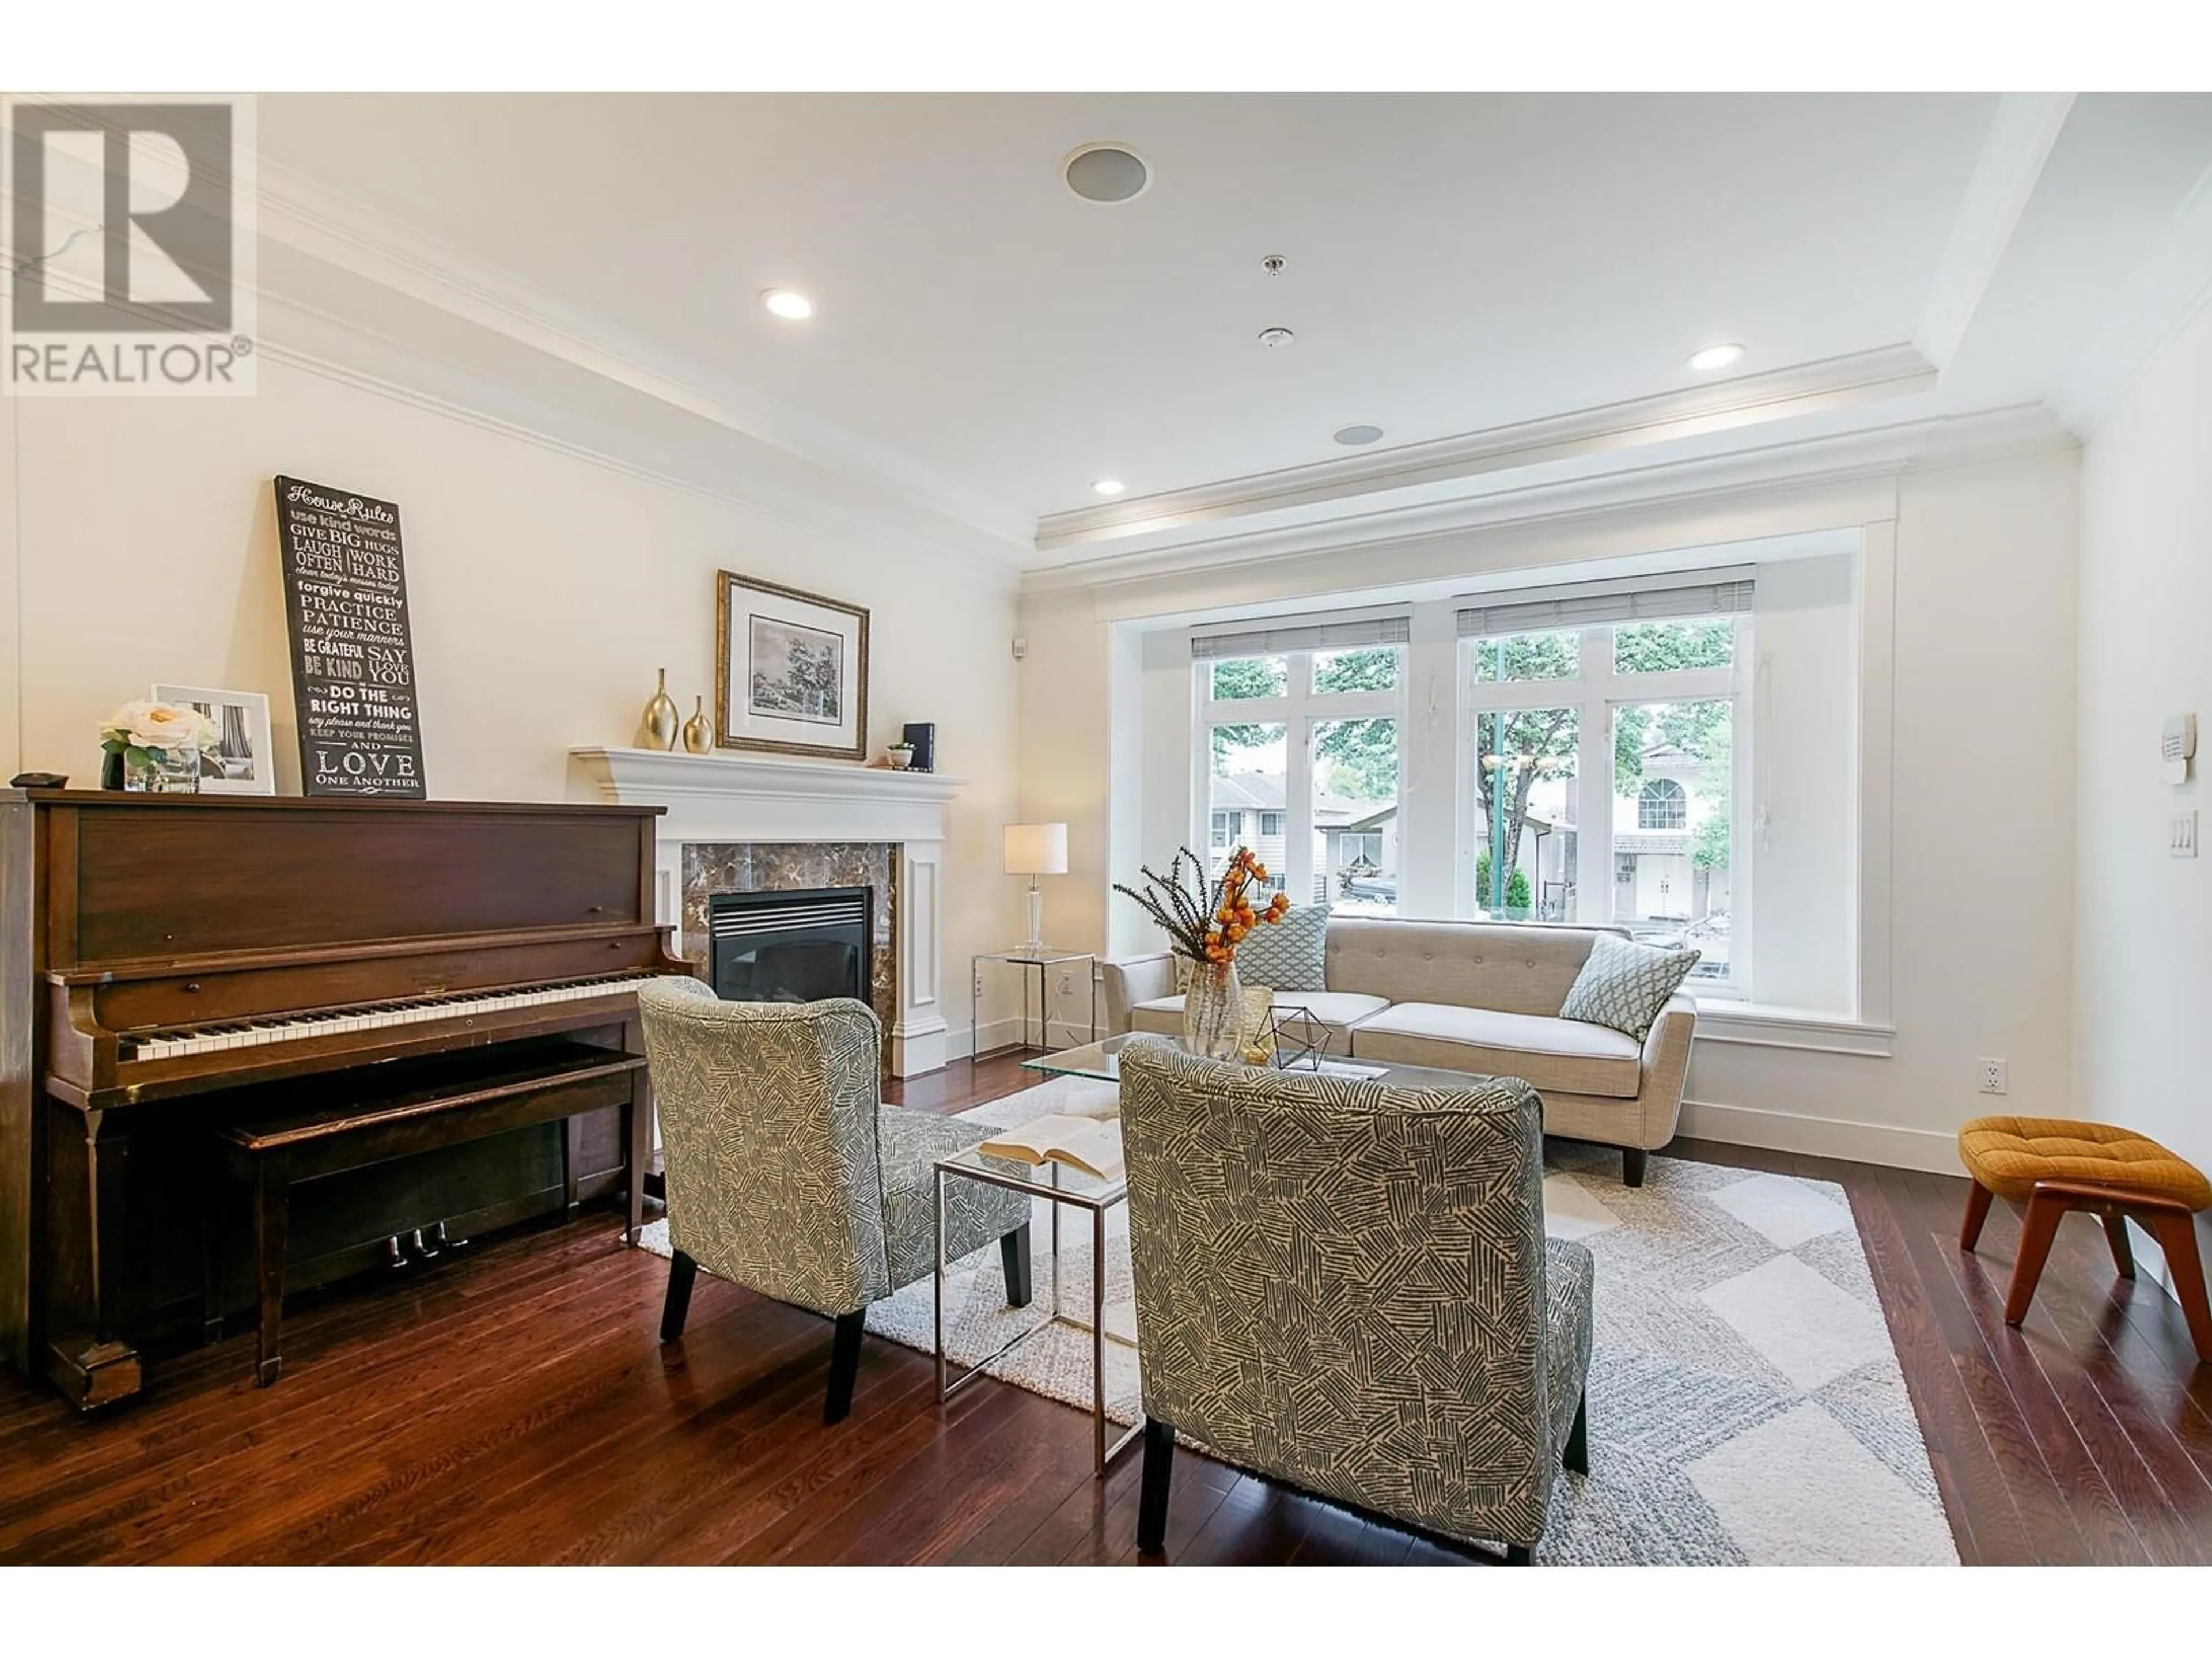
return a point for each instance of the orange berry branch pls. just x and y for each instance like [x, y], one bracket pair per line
[1208, 921]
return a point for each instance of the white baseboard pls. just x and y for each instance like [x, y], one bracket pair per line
[1822, 1137]
[1002, 1033]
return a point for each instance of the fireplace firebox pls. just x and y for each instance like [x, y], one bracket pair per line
[790, 946]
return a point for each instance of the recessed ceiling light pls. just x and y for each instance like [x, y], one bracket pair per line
[1107, 174]
[1715, 356]
[784, 303]
[1356, 435]
[1109, 486]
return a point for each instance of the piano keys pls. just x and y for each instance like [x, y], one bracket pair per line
[168, 962]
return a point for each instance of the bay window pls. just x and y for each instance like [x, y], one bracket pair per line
[1587, 770]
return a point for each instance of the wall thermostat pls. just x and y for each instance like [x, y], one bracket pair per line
[2177, 744]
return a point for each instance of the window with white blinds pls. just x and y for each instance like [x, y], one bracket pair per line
[1296, 633]
[1720, 594]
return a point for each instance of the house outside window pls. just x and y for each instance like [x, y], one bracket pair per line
[1271, 824]
[1222, 835]
[1662, 805]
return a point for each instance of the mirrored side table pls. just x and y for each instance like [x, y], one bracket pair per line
[1043, 960]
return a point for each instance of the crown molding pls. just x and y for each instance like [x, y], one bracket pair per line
[1890, 372]
[2163, 298]
[1859, 456]
[325, 224]
[313, 340]
[2005, 175]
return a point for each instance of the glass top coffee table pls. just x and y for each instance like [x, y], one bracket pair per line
[1103, 1061]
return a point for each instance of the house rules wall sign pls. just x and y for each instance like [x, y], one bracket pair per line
[353, 657]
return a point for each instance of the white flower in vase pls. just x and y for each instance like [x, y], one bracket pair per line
[156, 740]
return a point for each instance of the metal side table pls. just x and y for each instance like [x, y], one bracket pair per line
[1043, 959]
[1058, 1185]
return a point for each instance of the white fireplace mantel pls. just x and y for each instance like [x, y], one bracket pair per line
[745, 798]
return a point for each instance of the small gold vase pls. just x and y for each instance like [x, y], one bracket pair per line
[657, 729]
[698, 730]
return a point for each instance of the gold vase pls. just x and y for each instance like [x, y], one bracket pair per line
[657, 730]
[698, 730]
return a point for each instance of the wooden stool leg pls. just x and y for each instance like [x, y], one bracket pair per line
[1977, 1211]
[2176, 1233]
[2044, 1209]
[2123, 1255]
[270, 1219]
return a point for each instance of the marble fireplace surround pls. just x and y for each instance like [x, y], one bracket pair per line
[743, 823]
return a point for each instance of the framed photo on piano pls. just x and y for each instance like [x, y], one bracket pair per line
[791, 670]
[244, 760]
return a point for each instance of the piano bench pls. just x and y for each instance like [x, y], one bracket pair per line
[266, 1155]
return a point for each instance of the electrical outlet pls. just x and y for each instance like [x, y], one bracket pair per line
[1066, 983]
[1994, 1080]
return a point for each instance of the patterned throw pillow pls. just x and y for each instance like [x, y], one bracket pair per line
[1625, 985]
[1289, 955]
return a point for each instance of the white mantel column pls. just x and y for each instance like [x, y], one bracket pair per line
[918, 1038]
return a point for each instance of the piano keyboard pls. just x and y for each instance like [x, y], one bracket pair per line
[371, 1016]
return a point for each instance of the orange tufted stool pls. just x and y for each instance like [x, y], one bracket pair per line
[2052, 1165]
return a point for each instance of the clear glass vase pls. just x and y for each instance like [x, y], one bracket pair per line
[161, 771]
[1213, 1011]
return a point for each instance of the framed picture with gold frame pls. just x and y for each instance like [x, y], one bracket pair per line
[791, 670]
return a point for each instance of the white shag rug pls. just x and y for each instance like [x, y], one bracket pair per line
[1745, 1405]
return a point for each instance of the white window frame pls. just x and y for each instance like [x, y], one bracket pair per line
[1298, 712]
[1594, 692]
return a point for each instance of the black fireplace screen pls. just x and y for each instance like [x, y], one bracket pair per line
[790, 946]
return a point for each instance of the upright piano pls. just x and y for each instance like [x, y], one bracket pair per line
[168, 962]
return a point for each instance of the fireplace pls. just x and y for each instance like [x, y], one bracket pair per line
[790, 945]
[745, 823]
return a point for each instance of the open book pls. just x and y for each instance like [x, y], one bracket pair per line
[1092, 1144]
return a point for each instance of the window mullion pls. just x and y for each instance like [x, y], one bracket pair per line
[1594, 796]
[1298, 782]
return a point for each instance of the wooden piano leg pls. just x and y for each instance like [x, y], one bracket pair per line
[572, 1158]
[212, 1186]
[270, 1219]
[86, 1358]
[637, 1137]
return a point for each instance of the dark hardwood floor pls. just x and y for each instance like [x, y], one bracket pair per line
[514, 1404]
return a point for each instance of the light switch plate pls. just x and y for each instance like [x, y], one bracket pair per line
[2181, 836]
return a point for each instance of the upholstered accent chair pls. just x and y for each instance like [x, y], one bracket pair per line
[787, 1174]
[1347, 1287]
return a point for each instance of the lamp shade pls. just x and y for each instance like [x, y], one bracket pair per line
[1036, 849]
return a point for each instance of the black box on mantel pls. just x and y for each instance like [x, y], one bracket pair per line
[923, 734]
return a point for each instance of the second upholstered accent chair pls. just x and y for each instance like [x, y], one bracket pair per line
[787, 1174]
[1347, 1287]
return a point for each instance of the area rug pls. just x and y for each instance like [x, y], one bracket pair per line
[1745, 1405]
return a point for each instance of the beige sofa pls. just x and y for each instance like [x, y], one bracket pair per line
[1470, 996]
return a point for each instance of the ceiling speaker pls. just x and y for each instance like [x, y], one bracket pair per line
[1106, 173]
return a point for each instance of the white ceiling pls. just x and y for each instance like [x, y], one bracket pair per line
[1456, 264]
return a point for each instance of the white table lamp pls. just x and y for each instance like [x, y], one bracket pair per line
[1033, 850]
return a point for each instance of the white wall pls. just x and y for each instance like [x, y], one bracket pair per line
[545, 589]
[1980, 962]
[2143, 920]
[1975, 954]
